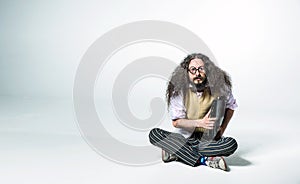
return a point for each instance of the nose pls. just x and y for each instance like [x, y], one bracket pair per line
[197, 73]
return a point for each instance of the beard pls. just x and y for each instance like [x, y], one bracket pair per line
[199, 86]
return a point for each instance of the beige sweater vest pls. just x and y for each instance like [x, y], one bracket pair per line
[197, 108]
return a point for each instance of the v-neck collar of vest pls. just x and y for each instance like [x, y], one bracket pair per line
[199, 94]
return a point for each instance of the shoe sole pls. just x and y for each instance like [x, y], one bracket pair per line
[223, 165]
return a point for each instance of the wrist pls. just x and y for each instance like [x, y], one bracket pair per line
[197, 123]
[221, 129]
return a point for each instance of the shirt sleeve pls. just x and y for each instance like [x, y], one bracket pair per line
[176, 108]
[231, 102]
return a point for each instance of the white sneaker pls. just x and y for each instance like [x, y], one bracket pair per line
[216, 162]
[167, 157]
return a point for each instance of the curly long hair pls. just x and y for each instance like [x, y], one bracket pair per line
[218, 81]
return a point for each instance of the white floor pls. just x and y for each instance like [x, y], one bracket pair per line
[40, 143]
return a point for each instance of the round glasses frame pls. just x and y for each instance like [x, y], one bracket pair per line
[193, 70]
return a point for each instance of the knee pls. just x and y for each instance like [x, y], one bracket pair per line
[152, 135]
[233, 145]
[153, 132]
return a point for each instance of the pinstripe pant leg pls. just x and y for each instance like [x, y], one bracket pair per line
[223, 147]
[176, 144]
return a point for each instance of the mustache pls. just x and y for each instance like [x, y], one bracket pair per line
[198, 77]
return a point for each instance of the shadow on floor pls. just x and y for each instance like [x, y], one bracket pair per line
[236, 160]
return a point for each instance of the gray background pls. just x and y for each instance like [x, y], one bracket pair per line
[41, 44]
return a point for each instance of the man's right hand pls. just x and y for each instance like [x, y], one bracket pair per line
[206, 122]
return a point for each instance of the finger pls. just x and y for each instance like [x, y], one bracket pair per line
[210, 126]
[212, 122]
[209, 122]
[208, 113]
[212, 119]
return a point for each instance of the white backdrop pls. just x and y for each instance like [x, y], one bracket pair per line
[257, 42]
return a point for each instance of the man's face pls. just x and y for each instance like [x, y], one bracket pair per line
[196, 71]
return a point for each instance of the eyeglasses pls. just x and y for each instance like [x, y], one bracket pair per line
[193, 70]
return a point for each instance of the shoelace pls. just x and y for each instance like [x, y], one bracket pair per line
[214, 163]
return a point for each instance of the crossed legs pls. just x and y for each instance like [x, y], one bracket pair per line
[189, 150]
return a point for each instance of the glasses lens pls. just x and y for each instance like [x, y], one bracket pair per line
[193, 70]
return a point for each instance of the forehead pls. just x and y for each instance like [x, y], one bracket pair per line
[196, 63]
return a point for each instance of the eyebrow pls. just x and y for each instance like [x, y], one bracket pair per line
[195, 67]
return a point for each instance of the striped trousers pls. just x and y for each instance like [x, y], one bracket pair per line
[189, 150]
